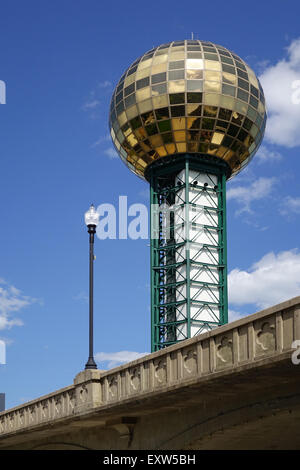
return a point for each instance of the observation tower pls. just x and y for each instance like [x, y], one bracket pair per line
[186, 116]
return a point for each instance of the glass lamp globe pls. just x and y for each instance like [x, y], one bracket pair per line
[91, 217]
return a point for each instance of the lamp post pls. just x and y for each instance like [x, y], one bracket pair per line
[91, 218]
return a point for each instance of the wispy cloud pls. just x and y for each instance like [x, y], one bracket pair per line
[266, 155]
[278, 82]
[6, 340]
[246, 195]
[104, 84]
[111, 153]
[114, 359]
[262, 65]
[101, 140]
[234, 315]
[11, 301]
[90, 105]
[94, 100]
[82, 297]
[290, 206]
[272, 279]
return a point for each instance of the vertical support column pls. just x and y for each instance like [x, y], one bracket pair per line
[203, 245]
[223, 250]
[154, 265]
[187, 246]
[189, 269]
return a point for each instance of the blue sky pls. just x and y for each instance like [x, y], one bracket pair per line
[60, 61]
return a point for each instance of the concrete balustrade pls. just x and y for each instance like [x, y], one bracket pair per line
[166, 380]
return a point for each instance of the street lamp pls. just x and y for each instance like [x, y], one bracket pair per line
[91, 218]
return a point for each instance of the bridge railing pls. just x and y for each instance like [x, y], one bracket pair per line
[249, 340]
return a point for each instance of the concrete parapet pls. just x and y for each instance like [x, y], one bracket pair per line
[244, 362]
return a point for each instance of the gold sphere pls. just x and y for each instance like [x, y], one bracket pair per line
[187, 97]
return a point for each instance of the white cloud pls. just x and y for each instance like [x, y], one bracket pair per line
[290, 205]
[279, 82]
[273, 279]
[263, 64]
[245, 195]
[234, 315]
[5, 323]
[95, 97]
[266, 155]
[11, 301]
[82, 297]
[91, 105]
[111, 153]
[7, 341]
[105, 138]
[114, 359]
[104, 84]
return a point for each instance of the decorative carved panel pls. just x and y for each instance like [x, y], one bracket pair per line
[83, 393]
[71, 395]
[58, 405]
[224, 351]
[265, 341]
[112, 387]
[160, 372]
[190, 361]
[135, 379]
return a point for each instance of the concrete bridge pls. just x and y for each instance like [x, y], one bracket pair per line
[235, 387]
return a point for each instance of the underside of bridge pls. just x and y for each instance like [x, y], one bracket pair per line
[257, 408]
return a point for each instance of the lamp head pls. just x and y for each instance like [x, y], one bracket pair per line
[91, 217]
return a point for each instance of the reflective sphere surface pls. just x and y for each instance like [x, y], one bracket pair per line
[187, 97]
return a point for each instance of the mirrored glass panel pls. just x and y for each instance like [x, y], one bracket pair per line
[187, 96]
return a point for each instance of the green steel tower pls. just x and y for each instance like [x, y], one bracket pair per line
[186, 116]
